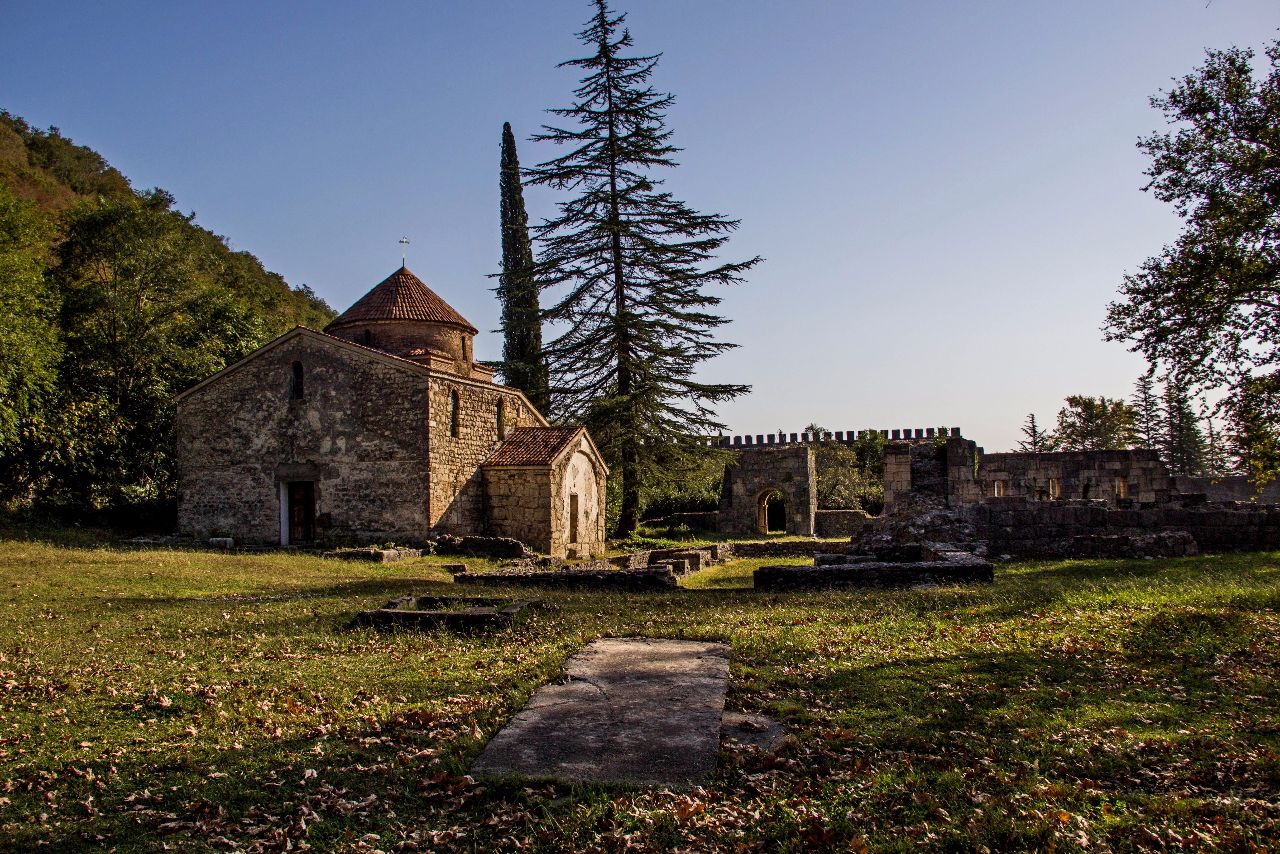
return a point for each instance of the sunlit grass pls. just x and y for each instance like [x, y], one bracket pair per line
[185, 697]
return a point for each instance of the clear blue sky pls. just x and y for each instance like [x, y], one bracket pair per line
[947, 194]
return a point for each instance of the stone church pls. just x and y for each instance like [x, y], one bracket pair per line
[383, 427]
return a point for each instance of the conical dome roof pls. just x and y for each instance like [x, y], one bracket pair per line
[401, 296]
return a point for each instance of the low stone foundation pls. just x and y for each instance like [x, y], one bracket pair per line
[1091, 529]
[374, 554]
[653, 578]
[461, 613]
[786, 548]
[498, 547]
[897, 566]
[838, 523]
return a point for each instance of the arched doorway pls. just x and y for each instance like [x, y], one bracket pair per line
[771, 512]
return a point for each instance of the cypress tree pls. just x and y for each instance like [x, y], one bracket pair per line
[522, 366]
[630, 264]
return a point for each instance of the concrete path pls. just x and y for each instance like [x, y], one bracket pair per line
[629, 710]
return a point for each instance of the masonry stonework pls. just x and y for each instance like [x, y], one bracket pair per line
[380, 428]
[457, 490]
[243, 438]
[757, 472]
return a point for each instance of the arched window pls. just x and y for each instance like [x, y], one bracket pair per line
[453, 414]
[295, 388]
[502, 418]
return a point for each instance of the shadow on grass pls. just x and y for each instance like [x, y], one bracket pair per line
[1170, 675]
[362, 589]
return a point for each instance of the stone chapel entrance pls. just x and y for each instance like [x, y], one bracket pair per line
[301, 511]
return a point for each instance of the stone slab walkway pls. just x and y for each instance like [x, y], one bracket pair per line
[628, 710]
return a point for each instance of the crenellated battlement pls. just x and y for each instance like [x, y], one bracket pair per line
[904, 434]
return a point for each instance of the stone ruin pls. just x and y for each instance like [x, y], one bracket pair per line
[1106, 504]
[941, 488]
[886, 566]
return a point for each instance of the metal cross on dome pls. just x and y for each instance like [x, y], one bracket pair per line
[404, 248]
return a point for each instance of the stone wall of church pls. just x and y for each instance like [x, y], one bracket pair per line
[519, 504]
[458, 503]
[400, 336]
[359, 433]
[579, 488]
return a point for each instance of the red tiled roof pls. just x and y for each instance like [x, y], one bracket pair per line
[532, 446]
[401, 296]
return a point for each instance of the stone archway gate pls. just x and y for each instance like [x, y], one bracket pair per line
[757, 471]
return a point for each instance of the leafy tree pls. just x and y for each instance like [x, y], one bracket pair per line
[1035, 440]
[631, 264]
[1253, 419]
[146, 313]
[1149, 420]
[79, 168]
[30, 343]
[137, 303]
[1094, 424]
[849, 474]
[1207, 308]
[1184, 445]
[522, 362]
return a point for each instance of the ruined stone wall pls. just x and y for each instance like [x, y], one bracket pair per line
[942, 471]
[1230, 488]
[838, 523]
[359, 432]
[457, 486]
[578, 474]
[760, 470]
[1079, 474]
[519, 503]
[907, 434]
[1025, 528]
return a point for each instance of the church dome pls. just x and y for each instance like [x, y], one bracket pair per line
[404, 317]
[401, 296]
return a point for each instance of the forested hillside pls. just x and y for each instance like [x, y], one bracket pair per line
[111, 302]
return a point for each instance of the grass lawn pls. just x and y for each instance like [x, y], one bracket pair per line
[207, 701]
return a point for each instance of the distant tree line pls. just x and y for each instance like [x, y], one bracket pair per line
[1166, 420]
[111, 303]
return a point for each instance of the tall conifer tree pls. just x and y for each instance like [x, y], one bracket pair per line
[1184, 446]
[1150, 423]
[630, 264]
[1035, 441]
[523, 366]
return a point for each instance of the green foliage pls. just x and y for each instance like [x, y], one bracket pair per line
[850, 475]
[1149, 422]
[45, 160]
[1206, 309]
[29, 341]
[523, 365]
[1094, 424]
[1035, 440]
[113, 303]
[629, 265]
[1217, 457]
[1253, 418]
[1184, 446]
